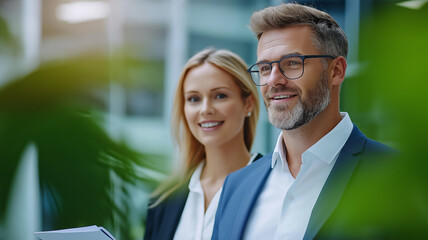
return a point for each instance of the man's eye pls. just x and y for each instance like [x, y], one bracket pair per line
[292, 63]
[192, 99]
[221, 96]
[265, 68]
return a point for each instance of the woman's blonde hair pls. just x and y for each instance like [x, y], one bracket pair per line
[190, 151]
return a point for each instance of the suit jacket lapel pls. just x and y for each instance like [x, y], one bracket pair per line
[253, 185]
[172, 213]
[336, 182]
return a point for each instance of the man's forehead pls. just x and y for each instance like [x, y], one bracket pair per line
[284, 41]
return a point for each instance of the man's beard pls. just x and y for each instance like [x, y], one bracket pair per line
[318, 98]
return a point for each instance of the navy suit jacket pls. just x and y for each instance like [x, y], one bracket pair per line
[242, 188]
[162, 220]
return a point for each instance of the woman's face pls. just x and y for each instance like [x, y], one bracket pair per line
[214, 107]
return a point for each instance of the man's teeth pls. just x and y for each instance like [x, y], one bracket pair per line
[210, 124]
[282, 97]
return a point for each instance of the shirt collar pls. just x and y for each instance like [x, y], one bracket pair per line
[195, 180]
[329, 146]
[278, 152]
[326, 148]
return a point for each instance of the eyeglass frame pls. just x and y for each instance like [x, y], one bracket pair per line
[303, 57]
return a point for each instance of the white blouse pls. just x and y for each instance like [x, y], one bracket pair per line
[194, 223]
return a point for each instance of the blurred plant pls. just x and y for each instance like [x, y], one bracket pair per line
[7, 41]
[59, 108]
[389, 93]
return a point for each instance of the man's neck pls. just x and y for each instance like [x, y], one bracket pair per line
[297, 141]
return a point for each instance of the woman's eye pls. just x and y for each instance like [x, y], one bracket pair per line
[192, 99]
[221, 96]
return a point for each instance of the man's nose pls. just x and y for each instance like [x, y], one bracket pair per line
[276, 77]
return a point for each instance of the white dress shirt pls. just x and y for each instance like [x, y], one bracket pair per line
[194, 223]
[284, 206]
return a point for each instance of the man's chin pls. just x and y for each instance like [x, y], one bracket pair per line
[281, 121]
[286, 117]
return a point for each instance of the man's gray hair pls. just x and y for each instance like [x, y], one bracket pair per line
[329, 38]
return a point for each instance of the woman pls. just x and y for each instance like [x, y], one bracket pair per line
[214, 122]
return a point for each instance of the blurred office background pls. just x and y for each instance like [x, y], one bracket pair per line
[135, 49]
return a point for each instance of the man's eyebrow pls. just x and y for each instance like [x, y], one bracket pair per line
[288, 54]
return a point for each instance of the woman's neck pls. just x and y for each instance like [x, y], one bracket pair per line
[220, 161]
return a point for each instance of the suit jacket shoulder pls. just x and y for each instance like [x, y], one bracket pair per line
[331, 213]
[240, 192]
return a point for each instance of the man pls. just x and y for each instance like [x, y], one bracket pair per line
[293, 192]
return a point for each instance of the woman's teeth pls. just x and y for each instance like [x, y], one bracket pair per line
[210, 124]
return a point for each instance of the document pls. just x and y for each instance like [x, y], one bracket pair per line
[83, 233]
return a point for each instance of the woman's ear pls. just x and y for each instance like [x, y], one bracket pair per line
[337, 70]
[249, 103]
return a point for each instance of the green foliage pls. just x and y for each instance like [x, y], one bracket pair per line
[389, 105]
[55, 107]
[7, 42]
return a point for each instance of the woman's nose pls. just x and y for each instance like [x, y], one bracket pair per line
[207, 107]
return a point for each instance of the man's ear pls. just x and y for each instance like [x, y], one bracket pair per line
[337, 70]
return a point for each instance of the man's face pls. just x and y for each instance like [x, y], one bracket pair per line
[293, 103]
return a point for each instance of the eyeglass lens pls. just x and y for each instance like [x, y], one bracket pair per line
[291, 68]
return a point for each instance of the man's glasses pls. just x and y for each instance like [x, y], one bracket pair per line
[291, 66]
